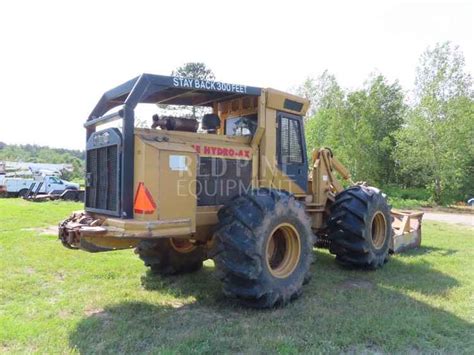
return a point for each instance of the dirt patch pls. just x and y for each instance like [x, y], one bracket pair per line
[65, 314]
[30, 271]
[51, 230]
[367, 349]
[451, 209]
[177, 304]
[97, 312]
[350, 284]
[456, 218]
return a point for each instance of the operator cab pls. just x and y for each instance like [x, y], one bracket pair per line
[235, 117]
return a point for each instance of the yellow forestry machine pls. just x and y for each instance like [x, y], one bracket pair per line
[238, 187]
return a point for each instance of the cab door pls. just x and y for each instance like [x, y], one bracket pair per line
[54, 184]
[291, 148]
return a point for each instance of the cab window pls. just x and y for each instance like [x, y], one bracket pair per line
[55, 180]
[241, 126]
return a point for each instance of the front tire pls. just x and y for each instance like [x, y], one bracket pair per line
[22, 193]
[170, 256]
[360, 229]
[263, 248]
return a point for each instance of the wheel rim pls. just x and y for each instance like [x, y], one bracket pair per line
[379, 226]
[182, 245]
[283, 250]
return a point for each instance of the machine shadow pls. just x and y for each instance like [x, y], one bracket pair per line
[203, 285]
[329, 302]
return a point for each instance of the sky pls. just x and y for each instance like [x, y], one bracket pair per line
[58, 57]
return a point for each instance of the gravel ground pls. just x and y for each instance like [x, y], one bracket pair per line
[456, 218]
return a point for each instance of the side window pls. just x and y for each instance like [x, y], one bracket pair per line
[291, 147]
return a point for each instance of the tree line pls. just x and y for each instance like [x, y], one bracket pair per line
[384, 134]
[37, 154]
[423, 137]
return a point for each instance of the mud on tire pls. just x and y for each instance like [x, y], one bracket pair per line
[360, 228]
[169, 256]
[252, 232]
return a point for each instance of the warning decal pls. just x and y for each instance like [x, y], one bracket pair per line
[225, 152]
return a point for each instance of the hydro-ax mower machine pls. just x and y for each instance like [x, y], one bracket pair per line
[239, 189]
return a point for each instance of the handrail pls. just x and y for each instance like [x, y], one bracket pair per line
[104, 119]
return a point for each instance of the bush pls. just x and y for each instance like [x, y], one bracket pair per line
[410, 197]
[411, 193]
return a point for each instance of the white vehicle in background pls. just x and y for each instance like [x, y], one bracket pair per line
[3, 188]
[41, 184]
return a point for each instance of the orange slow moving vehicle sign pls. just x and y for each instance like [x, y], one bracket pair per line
[224, 152]
[143, 200]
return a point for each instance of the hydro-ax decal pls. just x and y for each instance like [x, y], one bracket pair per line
[227, 152]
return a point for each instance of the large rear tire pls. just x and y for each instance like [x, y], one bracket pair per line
[171, 256]
[360, 228]
[263, 248]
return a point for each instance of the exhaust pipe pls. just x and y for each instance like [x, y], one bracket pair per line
[175, 123]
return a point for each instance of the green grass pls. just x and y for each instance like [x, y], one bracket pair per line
[55, 300]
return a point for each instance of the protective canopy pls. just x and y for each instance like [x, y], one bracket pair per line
[168, 90]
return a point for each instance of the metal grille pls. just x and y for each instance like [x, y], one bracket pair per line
[102, 171]
[219, 180]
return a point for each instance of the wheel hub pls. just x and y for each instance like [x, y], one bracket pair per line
[283, 250]
[379, 226]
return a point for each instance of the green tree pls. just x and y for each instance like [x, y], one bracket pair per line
[358, 126]
[326, 107]
[380, 108]
[195, 70]
[37, 154]
[322, 92]
[435, 148]
[441, 76]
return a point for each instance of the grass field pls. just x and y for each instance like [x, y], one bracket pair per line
[55, 300]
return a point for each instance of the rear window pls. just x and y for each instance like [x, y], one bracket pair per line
[241, 126]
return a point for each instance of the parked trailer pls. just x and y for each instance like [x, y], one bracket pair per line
[69, 195]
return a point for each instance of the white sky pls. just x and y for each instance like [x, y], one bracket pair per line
[58, 57]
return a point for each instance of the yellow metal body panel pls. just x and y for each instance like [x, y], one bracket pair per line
[174, 190]
[146, 171]
[177, 189]
[276, 100]
[166, 163]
